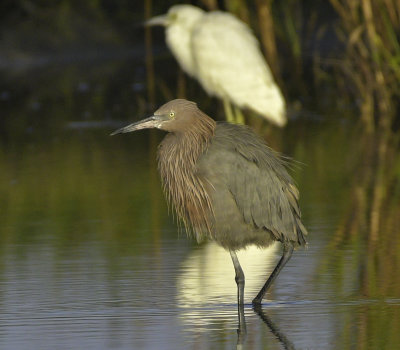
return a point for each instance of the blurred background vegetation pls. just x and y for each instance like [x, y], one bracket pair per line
[351, 46]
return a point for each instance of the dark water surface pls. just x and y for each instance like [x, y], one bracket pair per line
[89, 258]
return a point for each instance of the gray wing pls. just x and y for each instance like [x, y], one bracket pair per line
[259, 183]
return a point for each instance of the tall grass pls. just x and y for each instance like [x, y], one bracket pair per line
[371, 32]
[367, 67]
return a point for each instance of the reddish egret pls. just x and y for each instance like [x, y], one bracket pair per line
[220, 51]
[225, 184]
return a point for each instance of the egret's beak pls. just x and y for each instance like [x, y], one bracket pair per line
[161, 20]
[154, 121]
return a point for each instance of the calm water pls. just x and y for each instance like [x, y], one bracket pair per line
[89, 258]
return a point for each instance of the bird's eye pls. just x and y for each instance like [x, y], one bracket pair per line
[171, 115]
[172, 16]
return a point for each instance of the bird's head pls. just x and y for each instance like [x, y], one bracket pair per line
[177, 116]
[182, 15]
[179, 23]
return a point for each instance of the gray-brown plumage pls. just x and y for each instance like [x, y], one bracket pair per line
[225, 184]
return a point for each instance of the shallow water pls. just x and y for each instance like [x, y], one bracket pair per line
[90, 259]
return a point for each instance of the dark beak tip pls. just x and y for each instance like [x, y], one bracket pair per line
[147, 123]
[115, 132]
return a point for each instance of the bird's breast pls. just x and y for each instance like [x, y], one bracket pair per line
[184, 188]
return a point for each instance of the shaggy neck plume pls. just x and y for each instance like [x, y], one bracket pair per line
[177, 157]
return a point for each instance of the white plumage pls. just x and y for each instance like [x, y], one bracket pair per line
[221, 52]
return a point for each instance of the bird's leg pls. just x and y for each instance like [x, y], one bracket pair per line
[228, 111]
[242, 330]
[239, 278]
[239, 117]
[287, 253]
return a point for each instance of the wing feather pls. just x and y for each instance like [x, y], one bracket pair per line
[229, 64]
[258, 181]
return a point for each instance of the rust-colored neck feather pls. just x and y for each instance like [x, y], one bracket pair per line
[177, 158]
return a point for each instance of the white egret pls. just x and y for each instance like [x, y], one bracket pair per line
[221, 52]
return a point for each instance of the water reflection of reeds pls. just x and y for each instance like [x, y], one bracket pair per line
[372, 217]
[70, 184]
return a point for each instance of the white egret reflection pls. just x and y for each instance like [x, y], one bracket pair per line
[207, 275]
